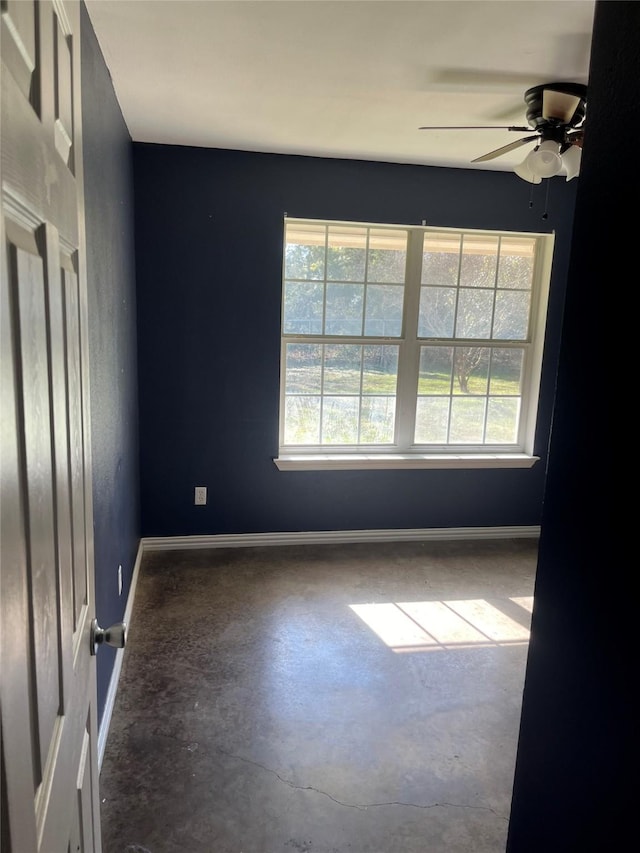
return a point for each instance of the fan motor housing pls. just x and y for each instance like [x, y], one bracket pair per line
[533, 98]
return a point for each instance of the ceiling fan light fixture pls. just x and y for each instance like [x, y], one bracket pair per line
[545, 160]
[523, 171]
[571, 161]
[556, 113]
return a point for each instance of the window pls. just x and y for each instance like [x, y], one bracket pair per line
[410, 346]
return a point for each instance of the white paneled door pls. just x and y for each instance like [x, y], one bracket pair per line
[50, 800]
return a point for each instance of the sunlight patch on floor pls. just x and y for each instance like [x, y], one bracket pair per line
[437, 625]
[525, 601]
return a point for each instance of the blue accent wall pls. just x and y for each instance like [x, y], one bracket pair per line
[108, 184]
[209, 226]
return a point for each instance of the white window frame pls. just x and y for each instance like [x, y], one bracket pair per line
[404, 454]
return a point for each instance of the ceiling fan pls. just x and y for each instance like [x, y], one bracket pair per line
[556, 114]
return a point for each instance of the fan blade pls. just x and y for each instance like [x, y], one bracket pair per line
[471, 127]
[558, 106]
[505, 148]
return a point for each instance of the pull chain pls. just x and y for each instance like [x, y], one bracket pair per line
[545, 215]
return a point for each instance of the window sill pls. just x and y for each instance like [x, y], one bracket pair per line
[387, 461]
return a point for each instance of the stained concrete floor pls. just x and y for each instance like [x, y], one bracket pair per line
[360, 698]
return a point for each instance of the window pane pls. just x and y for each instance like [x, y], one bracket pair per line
[340, 420]
[467, 420]
[304, 252]
[471, 370]
[302, 308]
[515, 269]
[344, 309]
[512, 315]
[377, 420]
[506, 371]
[342, 369]
[479, 261]
[432, 419]
[502, 420]
[437, 311]
[302, 420]
[474, 313]
[346, 253]
[435, 370]
[345, 286]
[303, 369]
[441, 259]
[383, 313]
[380, 370]
[387, 256]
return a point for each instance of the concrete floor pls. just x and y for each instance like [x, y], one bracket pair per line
[360, 698]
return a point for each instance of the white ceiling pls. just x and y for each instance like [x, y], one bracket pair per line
[329, 78]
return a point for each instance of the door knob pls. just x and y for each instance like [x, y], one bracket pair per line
[115, 635]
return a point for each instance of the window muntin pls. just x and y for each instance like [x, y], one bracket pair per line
[468, 394]
[410, 340]
[476, 286]
[338, 393]
[344, 280]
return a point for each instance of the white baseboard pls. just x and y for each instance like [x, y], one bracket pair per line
[103, 730]
[319, 537]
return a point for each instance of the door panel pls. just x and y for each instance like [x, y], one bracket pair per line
[49, 721]
[76, 467]
[19, 42]
[62, 39]
[61, 450]
[18, 754]
[27, 271]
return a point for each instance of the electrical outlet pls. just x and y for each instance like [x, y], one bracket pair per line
[200, 496]
[119, 580]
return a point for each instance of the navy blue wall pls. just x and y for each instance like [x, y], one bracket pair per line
[209, 259]
[108, 181]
